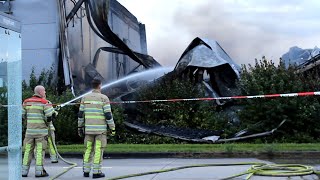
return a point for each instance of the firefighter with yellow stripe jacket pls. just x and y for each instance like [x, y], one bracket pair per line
[93, 119]
[38, 112]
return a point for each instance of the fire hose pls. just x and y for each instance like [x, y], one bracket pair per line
[260, 169]
[60, 157]
[257, 169]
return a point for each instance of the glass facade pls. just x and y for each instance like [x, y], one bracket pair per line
[10, 100]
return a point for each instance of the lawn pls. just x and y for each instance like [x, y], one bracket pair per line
[195, 148]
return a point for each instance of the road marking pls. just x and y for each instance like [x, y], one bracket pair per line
[81, 167]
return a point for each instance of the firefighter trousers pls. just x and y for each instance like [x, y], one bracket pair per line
[94, 147]
[31, 145]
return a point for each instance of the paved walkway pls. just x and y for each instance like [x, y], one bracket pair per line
[119, 167]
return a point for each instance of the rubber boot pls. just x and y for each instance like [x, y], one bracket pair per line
[54, 159]
[86, 169]
[99, 175]
[40, 172]
[85, 174]
[25, 171]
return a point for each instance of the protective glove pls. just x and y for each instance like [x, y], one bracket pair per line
[80, 131]
[49, 119]
[57, 108]
[113, 132]
[53, 117]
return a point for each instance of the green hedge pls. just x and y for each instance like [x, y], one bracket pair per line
[184, 114]
[301, 113]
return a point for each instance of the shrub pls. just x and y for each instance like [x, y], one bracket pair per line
[183, 114]
[258, 115]
[301, 113]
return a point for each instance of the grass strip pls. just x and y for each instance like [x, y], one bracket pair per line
[196, 148]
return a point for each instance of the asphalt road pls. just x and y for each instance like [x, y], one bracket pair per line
[119, 167]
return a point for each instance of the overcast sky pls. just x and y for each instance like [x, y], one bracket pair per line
[246, 29]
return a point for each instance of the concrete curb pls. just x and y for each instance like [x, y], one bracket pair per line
[262, 155]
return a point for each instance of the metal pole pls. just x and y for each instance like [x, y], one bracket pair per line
[14, 71]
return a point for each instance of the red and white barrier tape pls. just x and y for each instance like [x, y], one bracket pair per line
[317, 93]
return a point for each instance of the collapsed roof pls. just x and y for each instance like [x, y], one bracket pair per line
[205, 55]
[200, 57]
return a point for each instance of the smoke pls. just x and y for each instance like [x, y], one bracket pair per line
[243, 37]
[241, 40]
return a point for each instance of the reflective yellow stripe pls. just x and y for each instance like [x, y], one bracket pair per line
[37, 131]
[94, 113]
[34, 107]
[97, 153]
[94, 130]
[95, 117]
[96, 168]
[34, 118]
[93, 102]
[88, 151]
[39, 154]
[107, 108]
[110, 121]
[49, 112]
[51, 148]
[86, 167]
[35, 114]
[26, 154]
[81, 107]
[93, 109]
[96, 127]
[35, 121]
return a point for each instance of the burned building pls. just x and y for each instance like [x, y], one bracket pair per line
[88, 39]
[59, 34]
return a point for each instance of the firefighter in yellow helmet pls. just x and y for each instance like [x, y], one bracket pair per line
[93, 119]
[38, 112]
